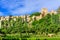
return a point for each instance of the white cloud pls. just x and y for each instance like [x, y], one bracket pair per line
[29, 7]
[14, 6]
[10, 4]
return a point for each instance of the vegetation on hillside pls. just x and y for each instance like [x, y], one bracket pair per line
[35, 14]
[50, 24]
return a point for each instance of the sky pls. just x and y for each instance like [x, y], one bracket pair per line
[21, 7]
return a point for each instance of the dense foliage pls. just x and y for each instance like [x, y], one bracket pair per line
[35, 14]
[47, 25]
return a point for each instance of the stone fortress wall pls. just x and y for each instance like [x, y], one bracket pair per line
[44, 12]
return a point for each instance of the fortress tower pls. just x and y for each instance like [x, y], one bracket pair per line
[44, 11]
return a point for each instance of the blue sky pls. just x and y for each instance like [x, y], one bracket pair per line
[21, 7]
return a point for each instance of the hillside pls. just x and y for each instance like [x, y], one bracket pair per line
[49, 24]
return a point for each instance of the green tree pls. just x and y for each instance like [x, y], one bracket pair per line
[58, 10]
[35, 14]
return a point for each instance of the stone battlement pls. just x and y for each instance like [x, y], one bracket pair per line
[44, 12]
